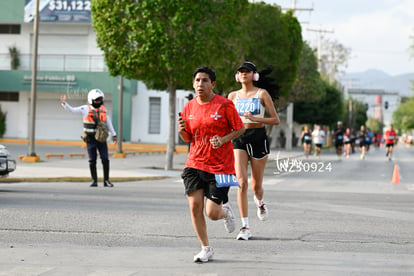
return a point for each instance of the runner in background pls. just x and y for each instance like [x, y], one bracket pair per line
[362, 135]
[338, 137]
[390, 137]
[306, 138]
[347, 142]
[318, 135]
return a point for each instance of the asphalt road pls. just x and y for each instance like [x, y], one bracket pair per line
[330, 217]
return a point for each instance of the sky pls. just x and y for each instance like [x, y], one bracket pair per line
[378, 32]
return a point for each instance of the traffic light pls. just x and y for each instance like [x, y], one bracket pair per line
[386, 105]
[366, 106]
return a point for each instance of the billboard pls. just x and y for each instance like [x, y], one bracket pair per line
[59, 10]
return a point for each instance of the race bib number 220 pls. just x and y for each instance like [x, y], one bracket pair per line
[251, 105]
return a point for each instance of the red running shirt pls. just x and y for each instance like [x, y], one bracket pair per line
[203, 121]
[390, 136]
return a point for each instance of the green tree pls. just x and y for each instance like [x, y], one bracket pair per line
[334, 58]
[332, 106]
[287, 74]
[327, 111]
[271, 39]
[308, 85]
[403, 117]
[14, 57]
[374, 125]
[161, 42]
[361, 116]
[355, 115]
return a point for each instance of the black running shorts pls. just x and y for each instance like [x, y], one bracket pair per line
[254, 141]
[195, 179]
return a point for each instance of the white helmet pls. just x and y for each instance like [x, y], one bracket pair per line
[94, 94]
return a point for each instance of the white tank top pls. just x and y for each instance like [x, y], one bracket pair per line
[252, 105]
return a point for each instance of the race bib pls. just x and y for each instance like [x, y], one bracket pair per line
[339, 137]
[391, 137]
[251, 105]
[226, 180]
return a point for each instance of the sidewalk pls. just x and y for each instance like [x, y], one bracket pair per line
[63, 162]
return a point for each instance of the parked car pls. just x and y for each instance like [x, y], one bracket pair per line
[7, 164]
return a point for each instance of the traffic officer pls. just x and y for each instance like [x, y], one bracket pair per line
[95, 106]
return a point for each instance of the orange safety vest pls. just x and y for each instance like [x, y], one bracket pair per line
[89, 124]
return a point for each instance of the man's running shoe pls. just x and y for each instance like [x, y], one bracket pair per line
[262, 212]
[229, 221]
[205, 254]
[244, 234]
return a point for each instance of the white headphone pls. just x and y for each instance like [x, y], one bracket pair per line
[256, 76]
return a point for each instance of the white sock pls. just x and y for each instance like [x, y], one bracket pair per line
[245, 222]
[258, 202]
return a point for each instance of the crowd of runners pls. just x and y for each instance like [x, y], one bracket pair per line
[348, 141]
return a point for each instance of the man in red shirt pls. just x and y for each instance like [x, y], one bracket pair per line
[209, 122]
[390, 137]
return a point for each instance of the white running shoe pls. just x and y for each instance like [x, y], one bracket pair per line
[205, 254]
[262, 212]
[229, 221]
[244, 234]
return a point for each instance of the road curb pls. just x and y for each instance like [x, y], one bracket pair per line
[76, 179]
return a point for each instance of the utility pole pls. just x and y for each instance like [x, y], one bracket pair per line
[350, 113]
[289, 114]
[320, 32]
[348, 85]
[120, 153]
[294, 8]
[32, 156]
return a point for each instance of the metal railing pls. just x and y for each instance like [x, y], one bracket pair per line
[57, 62]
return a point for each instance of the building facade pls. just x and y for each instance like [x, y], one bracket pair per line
[381, 103]
[69, 63]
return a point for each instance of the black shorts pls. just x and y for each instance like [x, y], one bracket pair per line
[318, 145]
[339, 144]
[389, 145]
[254, 141]
[195, 179]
